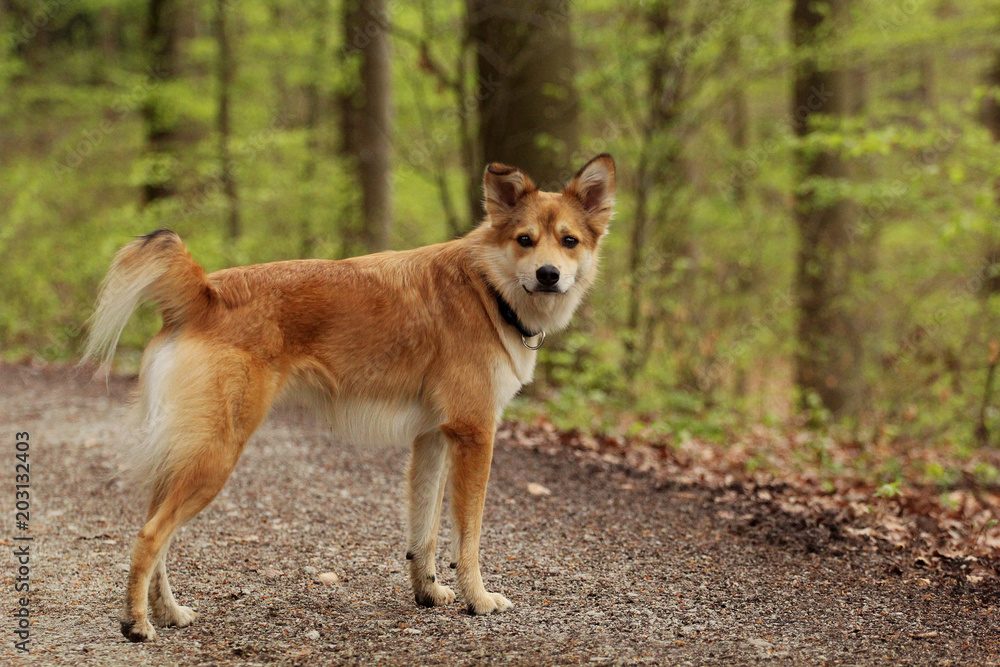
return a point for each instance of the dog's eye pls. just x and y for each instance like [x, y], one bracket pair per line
[570, 242]
[525, 241]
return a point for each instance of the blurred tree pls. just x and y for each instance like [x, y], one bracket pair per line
[828, 354]
[224, 76]
[991, 119]
[367, 116]
[314, 110]
[452, 73]
[738, 113]
[991, 258]
[161, 119]
[656, 159]
[108, 29]
[528, 103]
[681, 62]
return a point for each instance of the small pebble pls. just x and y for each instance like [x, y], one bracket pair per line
[312, 634]
[329, 578]
[538, 490]
[310, 569]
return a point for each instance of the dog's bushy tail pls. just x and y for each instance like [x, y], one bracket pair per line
[155, 267]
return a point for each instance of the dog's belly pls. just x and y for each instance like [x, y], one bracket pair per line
[374, 422]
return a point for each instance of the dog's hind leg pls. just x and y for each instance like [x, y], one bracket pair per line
[162, 605]
[427, 477]
[223, 403]
[188, 495]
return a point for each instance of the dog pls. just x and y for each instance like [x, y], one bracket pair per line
[424, 346]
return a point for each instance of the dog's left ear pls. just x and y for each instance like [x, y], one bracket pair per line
[594, 187]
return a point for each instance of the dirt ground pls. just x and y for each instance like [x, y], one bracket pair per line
[612, 567]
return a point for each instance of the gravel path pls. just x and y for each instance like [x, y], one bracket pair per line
[611, 568]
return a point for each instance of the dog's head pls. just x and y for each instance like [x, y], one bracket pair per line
[544, 245]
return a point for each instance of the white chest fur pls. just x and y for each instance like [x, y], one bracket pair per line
[512, 371]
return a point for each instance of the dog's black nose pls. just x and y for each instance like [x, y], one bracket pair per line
[547, 275]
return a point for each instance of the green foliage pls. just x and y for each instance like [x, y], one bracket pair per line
[714, 278]
[890, 490]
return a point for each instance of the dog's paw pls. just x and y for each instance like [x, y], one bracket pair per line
[434, 595]
[488, 603]
[138, 631]
[177, 616]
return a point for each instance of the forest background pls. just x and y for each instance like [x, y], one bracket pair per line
[805, 251]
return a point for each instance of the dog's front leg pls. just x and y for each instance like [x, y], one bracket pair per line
[427, 481]
[471, 449]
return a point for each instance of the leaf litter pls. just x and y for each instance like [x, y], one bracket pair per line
[941, 510]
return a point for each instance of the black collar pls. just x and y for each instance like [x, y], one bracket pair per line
[511, 318]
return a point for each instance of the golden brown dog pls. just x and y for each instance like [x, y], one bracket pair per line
[425, 346]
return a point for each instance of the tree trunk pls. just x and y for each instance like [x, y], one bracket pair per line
[991, 109]
[991, 119]
[162, 41]
[351, 98]
[276, 20]
[108, 33]
[656, 167]
[991, 260]
[527, 101]
[926, 88]
[223, 122]
[473, 162]
[366, 130]
[314, 110]
[737, 115]
[827, 354]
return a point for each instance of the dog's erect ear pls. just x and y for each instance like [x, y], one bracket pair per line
[503, 187]
[594, 187]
